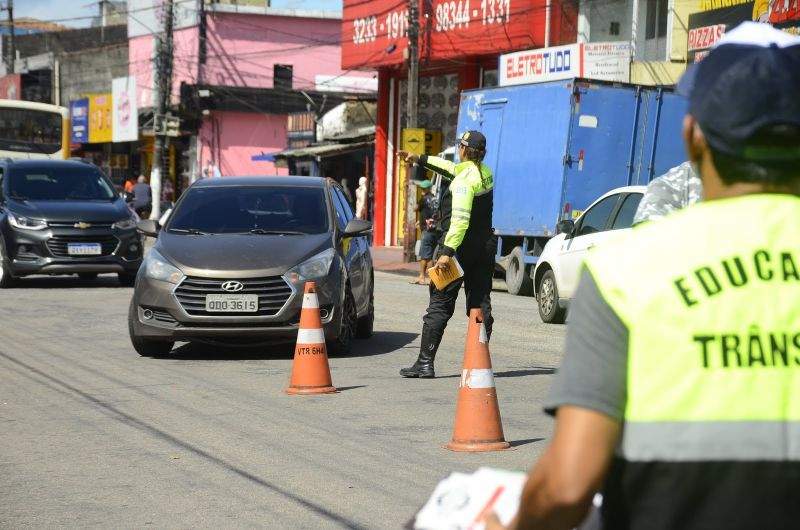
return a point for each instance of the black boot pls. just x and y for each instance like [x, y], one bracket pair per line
[429, 344]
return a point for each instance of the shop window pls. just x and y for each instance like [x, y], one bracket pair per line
[282, 76]
[656, 23]
[614, 29]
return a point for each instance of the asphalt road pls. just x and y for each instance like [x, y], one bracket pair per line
[94, 436]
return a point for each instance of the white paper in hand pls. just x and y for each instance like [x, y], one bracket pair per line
[461, 501]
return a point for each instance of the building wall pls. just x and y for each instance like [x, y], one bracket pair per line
[230, 139]
[91, 71]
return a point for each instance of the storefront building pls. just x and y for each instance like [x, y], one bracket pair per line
[459, 46]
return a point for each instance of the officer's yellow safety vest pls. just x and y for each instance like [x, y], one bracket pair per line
[711, 300]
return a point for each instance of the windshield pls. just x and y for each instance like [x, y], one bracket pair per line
[251, 210]
[84, 183]
[30, 131]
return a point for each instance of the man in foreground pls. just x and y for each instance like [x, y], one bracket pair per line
[679, 393]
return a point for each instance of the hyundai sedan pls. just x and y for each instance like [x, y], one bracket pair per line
[231, 262]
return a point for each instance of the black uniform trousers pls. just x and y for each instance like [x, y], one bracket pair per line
[476, 256]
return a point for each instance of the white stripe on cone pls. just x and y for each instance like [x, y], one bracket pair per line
[311, 336]
[477, 378]
[310, 301]
[483, 338]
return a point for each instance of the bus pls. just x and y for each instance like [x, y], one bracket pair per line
[33, 130]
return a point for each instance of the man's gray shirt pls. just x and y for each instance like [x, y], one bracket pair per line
[593, 371]
[674, 190]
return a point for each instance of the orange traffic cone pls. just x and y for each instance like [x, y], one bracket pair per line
[478, 426]
[310, 371]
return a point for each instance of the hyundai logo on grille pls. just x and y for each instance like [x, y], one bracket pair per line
[232, 287]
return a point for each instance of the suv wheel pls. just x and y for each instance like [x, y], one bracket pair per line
[6, 280]
[146, 347]
[549, 310]
[347, 328]
[127, 279]
[367, 322]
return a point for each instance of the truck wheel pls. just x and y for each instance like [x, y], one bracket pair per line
[549, 310]
[518, 278]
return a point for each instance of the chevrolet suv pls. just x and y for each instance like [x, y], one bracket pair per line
[64, 217]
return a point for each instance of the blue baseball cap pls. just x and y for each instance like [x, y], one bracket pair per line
[749, 80]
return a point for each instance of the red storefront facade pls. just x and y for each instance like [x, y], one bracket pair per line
[459, 46]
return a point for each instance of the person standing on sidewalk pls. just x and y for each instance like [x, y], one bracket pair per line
[426, 209]
[466, 222]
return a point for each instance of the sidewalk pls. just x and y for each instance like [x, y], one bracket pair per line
[390, 259]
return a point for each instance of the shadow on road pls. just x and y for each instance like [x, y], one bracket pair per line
[517, 443]
[523, 373]
[64, 282]
[380, 343]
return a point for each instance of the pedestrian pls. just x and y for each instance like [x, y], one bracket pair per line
[142, 198]
[674, 190]
[426, 210]
[361, 199]
[678, 392]
[347, 192]
[129, 184]
[466, 226]
[168, 190]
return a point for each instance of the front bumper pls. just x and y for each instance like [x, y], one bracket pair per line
[158, 314]
[46, 251]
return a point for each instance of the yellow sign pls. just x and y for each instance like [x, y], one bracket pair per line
[100, 123]
[709, 5]
[413, 141]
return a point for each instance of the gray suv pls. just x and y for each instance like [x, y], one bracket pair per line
[64, 217]
[230, 264]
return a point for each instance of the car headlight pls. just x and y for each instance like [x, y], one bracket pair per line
[26, 223]
[157, 267]
[315, 267]
[125, 224]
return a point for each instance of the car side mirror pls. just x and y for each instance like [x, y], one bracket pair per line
[565, 227]
[148, 227]
[357, 227]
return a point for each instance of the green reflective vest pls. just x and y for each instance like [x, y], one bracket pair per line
[711, 300]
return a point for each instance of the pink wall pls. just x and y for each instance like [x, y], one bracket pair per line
[230, 139]
[140, 63]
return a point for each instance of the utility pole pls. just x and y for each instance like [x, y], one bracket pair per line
[411, 113]
[163, 69]
[12, 52]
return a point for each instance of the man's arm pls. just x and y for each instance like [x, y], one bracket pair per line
[561, 486]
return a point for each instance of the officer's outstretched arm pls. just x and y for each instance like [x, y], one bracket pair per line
[563, 482]
[444, 167]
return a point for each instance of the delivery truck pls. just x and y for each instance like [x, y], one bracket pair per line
[556, 147]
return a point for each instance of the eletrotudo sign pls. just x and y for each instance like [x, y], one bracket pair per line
[608, 61]
[125, 115]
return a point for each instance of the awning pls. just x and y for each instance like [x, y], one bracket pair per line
[321, 150]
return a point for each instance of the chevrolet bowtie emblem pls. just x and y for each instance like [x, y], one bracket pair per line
[82, 225]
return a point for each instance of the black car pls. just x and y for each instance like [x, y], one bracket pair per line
[64, 217]
[232, 260]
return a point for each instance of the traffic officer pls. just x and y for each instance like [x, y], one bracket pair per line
[466, 224]
[679, 392]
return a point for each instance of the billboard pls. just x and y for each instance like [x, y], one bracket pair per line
[100, 122]
[608, 61]
[79, 121]
[11, 86]
[125, 113]
[375, 33]
[150, 16]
